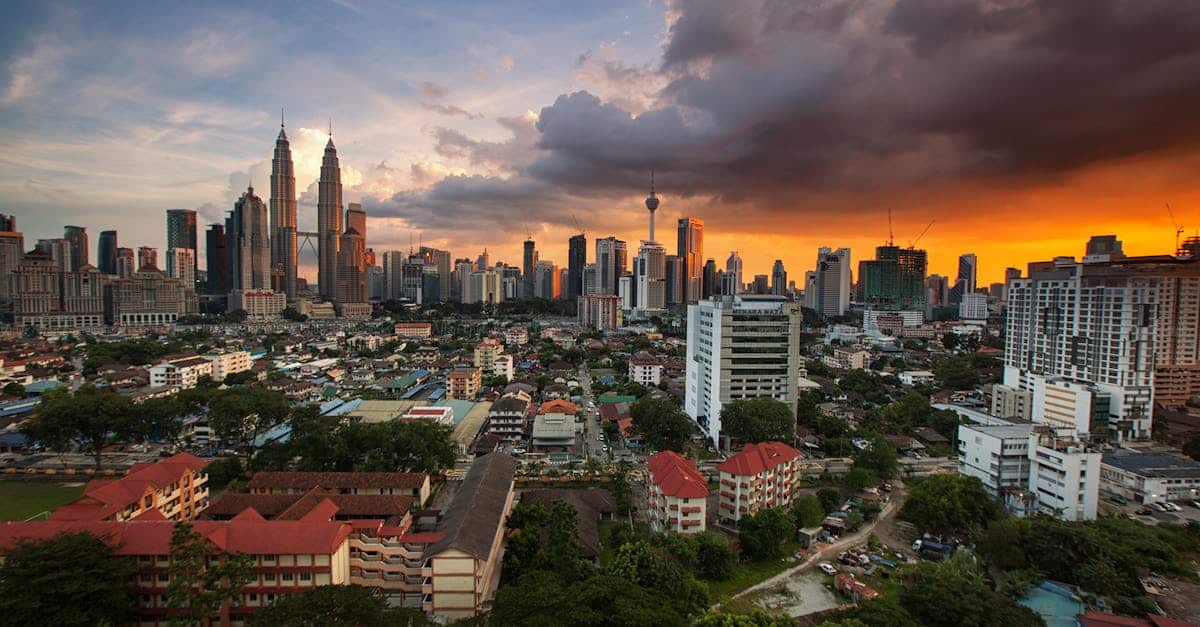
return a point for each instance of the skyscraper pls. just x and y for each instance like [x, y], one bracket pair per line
[147, 258]
[106, 251]
[894, 280]
[182, 261]
[59, 250]
[441, 261]
[690, 249]
[217, 260]
[329, 220]
[833, 282]
[965, 282]
[77, 239]
[733, 275]
[711, 284]
[778, 279]
[528, 261]
[610, 264]
[126, 263]
[248, 245]
[650, 267]
[350, 293]
[181, 233]
[673, 281]
[12, 251]
[283, 213]
[576, 259]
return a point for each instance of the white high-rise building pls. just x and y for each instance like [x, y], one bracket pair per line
[1061, 325]
[740, 347]
[973, 307]
[832, 297]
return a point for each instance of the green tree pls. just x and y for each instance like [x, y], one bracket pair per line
[830, 499]
[764, 533]
[808, 511]
[90, 417]
[73, 578]
[758, 420]
[240, 414]
[346, 605]
[858, 479]
[715, 559]
[14, 389]
[223, 470]
[619, 486]
[754, 618]
[204, 581]
[662, 425]
[955, 593]
[543, 599]
[949, 503]
[879, 458]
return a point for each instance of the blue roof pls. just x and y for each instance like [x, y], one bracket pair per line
[437, 394]
[258, 354]
[37, 387]
[278, 433]
[344, 408]
[13, 437]
[420, 374]
[18, 407]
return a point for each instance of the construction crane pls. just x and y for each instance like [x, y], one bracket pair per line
[1176, 224]
[913, 243]
[891, 238]
[577, 224]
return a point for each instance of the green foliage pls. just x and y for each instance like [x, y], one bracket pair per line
[14, 389]
[866, 386]
[763, 534]
[830, 500]
[223, 470]
[200, 585]
[1192, 448]
[755, 618]
[955, 593]
[620, 487]
[838, 447]
[344, 605]
[758, 420]
[90, 417]
[137, 352]
[858, 479]
[325, 445]
[715, 559]
[808, 411]
[661, 423]
[949, 503]
[240, 414]
[69, 579]
[541, 599]
[879, 458]
[963, 372]
[808, 511]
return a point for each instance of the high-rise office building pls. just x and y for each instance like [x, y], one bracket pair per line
[350, 293]
[77, 238]
[546, 280]
[778, 279]
[965, 282]
[576, 260]
[12, 251]
[106, 252]
[761, 285]
[690, 250]
[937, 290]
[329, 220]
[247, 244]
[1103, 248]
[483, 261]
[440, 259]
[284, 252]
[529, 260]
[126, 263]
[712, 286]
[181, 261]
[720, 368]
[181, 233]
[833, 282]
[217, 260]
[147, 258]
[59, 250]
[591, 280]
[812, 290]
[894, 280]
[610, 264]
[732, 283]
[673, 281]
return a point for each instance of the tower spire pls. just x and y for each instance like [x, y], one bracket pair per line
[652, 204]
[280, 117]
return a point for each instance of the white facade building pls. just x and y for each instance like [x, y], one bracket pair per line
[225, 364]
[832, 282]
[645, 369]
[740, 347]
[181, 373]
[1064, 476]
[973, 308]
[997, 455]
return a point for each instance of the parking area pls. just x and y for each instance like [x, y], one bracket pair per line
[1152, 516]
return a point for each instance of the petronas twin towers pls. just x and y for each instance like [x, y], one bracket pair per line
[284, 251]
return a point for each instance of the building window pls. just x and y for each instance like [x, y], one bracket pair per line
[305, 576]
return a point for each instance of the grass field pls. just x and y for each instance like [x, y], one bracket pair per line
[746, 575]
[20, 499]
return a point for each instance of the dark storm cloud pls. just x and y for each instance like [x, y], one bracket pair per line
[769, 101]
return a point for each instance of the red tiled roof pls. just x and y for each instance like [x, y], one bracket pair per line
[756, 458]
[558, 406]
[1100, 619]
[676, 475]
[336, 480]
[247, 533]
[104, 497]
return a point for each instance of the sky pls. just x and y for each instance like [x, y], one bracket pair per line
[1017, 127]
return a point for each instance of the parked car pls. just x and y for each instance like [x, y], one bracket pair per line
[1144, 512]
[1173, 507]
[1118, 499]
[1158, 507]
[827, 568]
[916, 545]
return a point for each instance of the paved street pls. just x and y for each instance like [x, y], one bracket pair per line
[593, 445]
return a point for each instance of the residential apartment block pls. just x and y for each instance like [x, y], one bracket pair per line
[183, 372]
[463, 383]
[176, 487]
[759, 476]
[645, 369]
[676, 494]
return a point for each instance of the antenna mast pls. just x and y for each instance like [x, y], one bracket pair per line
[891, 237]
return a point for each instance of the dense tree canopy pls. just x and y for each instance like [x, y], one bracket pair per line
[808, 511]
[764, 533]
[758, 420]
[88, 417]
[70, 579]
[661, 423]
[879, 458]
[949, 503]
[240, 414]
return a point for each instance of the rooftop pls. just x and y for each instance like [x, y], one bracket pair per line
[756, 458]
[1163, 465]
[676, 475]
[477, 512]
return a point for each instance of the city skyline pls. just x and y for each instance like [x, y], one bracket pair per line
[467, 145]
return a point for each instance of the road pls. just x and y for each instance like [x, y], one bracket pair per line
[830, 552]
[592, 444]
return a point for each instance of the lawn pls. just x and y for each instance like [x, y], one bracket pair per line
[748, 574]
[20, 499]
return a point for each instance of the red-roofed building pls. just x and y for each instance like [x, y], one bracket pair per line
[759, 476]
[853, 588]
[176, 487]
[1100, 619]
[676, 494]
